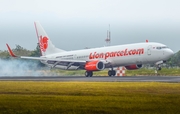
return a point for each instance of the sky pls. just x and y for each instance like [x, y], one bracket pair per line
[76, 24]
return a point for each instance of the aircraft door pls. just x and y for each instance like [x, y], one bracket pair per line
[149, 50]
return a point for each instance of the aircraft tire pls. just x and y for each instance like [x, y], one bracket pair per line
[88, 73]
[110, 73]
[158, 68]
[113, 72]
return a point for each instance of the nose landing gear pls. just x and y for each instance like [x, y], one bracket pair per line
[158, 65]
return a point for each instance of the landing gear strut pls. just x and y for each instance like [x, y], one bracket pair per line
[88, 73]
[111, 72]
[159, 64]
[158, 67]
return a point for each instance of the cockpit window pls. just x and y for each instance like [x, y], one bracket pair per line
[158, 47]
[163, 47]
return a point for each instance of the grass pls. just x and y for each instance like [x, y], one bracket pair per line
[139, 72]
[88, 97]
[148, 72]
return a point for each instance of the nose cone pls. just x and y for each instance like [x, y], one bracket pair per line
[169, 53]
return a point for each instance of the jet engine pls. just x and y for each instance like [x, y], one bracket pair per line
[94, 66]
[134, 67]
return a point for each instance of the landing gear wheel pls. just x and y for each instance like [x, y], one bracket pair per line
[158, 68]
[111, 73]
[88, 73]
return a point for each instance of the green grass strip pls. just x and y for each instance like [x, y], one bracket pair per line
[139, 72]
[88, 97]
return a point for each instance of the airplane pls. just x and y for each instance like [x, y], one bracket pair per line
[131, 56]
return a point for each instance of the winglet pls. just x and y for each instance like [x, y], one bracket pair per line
[10, 51]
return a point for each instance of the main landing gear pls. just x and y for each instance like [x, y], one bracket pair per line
[88, 73]
[111, 72]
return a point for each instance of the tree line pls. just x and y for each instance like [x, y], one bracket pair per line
[19, 50]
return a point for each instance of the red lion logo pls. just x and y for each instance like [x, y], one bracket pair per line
[43, 43]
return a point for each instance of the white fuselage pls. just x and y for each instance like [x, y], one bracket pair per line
[120, 55]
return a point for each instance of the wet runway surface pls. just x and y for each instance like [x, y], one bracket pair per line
[175, 79]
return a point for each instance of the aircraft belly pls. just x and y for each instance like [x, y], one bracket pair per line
[120, 61]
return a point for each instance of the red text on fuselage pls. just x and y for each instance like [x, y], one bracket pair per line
[125, 52]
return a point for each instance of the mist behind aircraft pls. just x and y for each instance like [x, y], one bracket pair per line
[15, 67]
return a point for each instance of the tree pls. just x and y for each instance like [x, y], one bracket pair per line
[174, 60]
[36, 52]
[19, 48]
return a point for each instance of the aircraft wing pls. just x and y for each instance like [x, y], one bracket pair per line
[54, 61]
[80, 64]
[58, 60]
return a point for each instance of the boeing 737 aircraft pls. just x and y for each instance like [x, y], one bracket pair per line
[132, 56]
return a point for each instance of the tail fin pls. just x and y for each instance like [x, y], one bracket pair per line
[45, 43]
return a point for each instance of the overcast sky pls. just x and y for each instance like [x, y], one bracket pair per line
[76, 24]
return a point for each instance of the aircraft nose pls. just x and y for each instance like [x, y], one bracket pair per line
[170, 53]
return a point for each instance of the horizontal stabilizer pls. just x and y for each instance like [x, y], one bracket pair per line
[10, 51]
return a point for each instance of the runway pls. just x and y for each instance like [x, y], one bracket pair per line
[174, 79]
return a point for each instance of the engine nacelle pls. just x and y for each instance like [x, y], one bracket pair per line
[134, 67]
[94, 66]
